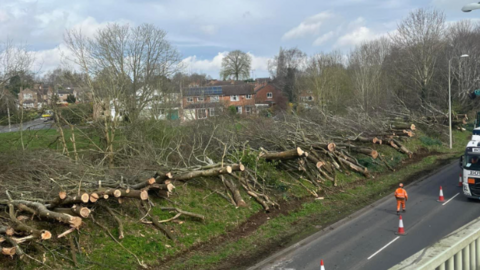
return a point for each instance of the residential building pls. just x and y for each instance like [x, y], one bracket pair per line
[28, 98]
[203, 102]
[270, 95]
[64, 92]
[306, 99]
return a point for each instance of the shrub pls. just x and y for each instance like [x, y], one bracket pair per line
[76, 113]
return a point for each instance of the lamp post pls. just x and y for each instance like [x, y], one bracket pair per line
[470, 7]
[450, 98]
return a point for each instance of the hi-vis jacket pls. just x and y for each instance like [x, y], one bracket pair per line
[401, 194]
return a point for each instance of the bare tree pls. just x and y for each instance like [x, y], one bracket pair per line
[125, 69]
[464, 38]
[366, 65]
[328, 79]
[419, 43]
[285, 67]
[236, 64]
[14, 60]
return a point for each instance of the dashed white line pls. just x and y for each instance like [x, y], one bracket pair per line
[451, 199]
[383, 248]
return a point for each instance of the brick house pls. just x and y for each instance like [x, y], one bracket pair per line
[269, 95]
[203, 102]
[306, 99]
[63, 93]
[28, 98]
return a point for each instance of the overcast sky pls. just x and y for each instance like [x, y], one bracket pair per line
[204, 30]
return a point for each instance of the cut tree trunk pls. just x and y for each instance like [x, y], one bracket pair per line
[227, 169]
[285, 155]
[41, 211]
[354, 167]
[235, 192]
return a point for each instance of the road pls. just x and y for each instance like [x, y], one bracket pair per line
[368, 241]
[30, 125]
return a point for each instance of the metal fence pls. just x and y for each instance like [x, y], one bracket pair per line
[459, 250]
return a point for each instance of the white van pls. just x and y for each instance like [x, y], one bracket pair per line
[470, 163]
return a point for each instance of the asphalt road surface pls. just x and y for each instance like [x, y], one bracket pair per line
[36, 124]
[368, 241]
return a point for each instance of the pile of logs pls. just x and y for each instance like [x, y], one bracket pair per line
[305, 157]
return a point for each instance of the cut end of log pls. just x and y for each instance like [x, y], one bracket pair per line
[300, 152]
[151, 181]
[62, 195]
[2, 239]
[144, 195]
[9, 251]
[306, 154]
[85, 198]
[242, 167]
[117, 193]
[320, 164]
[229, 169]
[75, 222]
[10, 231]
[84, 212]
[94, 197]
[170, 187]
[412, 127]
[331, 147]
[169, 175]
[374, 154]
[105, 196]
[46, 235]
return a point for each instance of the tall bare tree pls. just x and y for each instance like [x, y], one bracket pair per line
[15, 60]
[236, 64]
[464, 38]
[419, 43]
[125, 69]
[366, 65]
[285, 68]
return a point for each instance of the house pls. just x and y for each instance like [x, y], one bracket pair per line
[28, 98]
[203, 102]
[269, 95]
[306, 99]
[64, 92]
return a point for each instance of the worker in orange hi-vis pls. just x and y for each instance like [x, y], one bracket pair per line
[402, 196]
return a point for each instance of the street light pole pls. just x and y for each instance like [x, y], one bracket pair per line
[450, 98]
[450, 104]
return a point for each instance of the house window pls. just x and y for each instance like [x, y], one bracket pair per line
[211, 112]
[234, 98]
[248, 110]
[239, 109]
[214, 99]
[310, 98]
[269, 95]
[190, 99]
[200, 99]
[249, 96]
[27, 96]
[202, 113]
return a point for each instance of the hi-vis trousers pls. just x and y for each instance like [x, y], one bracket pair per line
[400, 201]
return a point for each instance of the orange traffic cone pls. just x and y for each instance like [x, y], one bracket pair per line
[401, 230]
[460, 180]
[321, 265]
[440, 197]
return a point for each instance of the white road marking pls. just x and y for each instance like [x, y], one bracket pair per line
[383, 248]
[451, 198]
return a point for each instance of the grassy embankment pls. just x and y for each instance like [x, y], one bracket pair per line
[231, 238]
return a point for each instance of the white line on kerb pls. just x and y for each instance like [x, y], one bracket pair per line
[383, 248]
[451, 199]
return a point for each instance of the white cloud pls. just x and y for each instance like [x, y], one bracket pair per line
[46, 60]
[212, 66]
[209, 29]
[323, 38]
[356, 37]
[309, 26]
